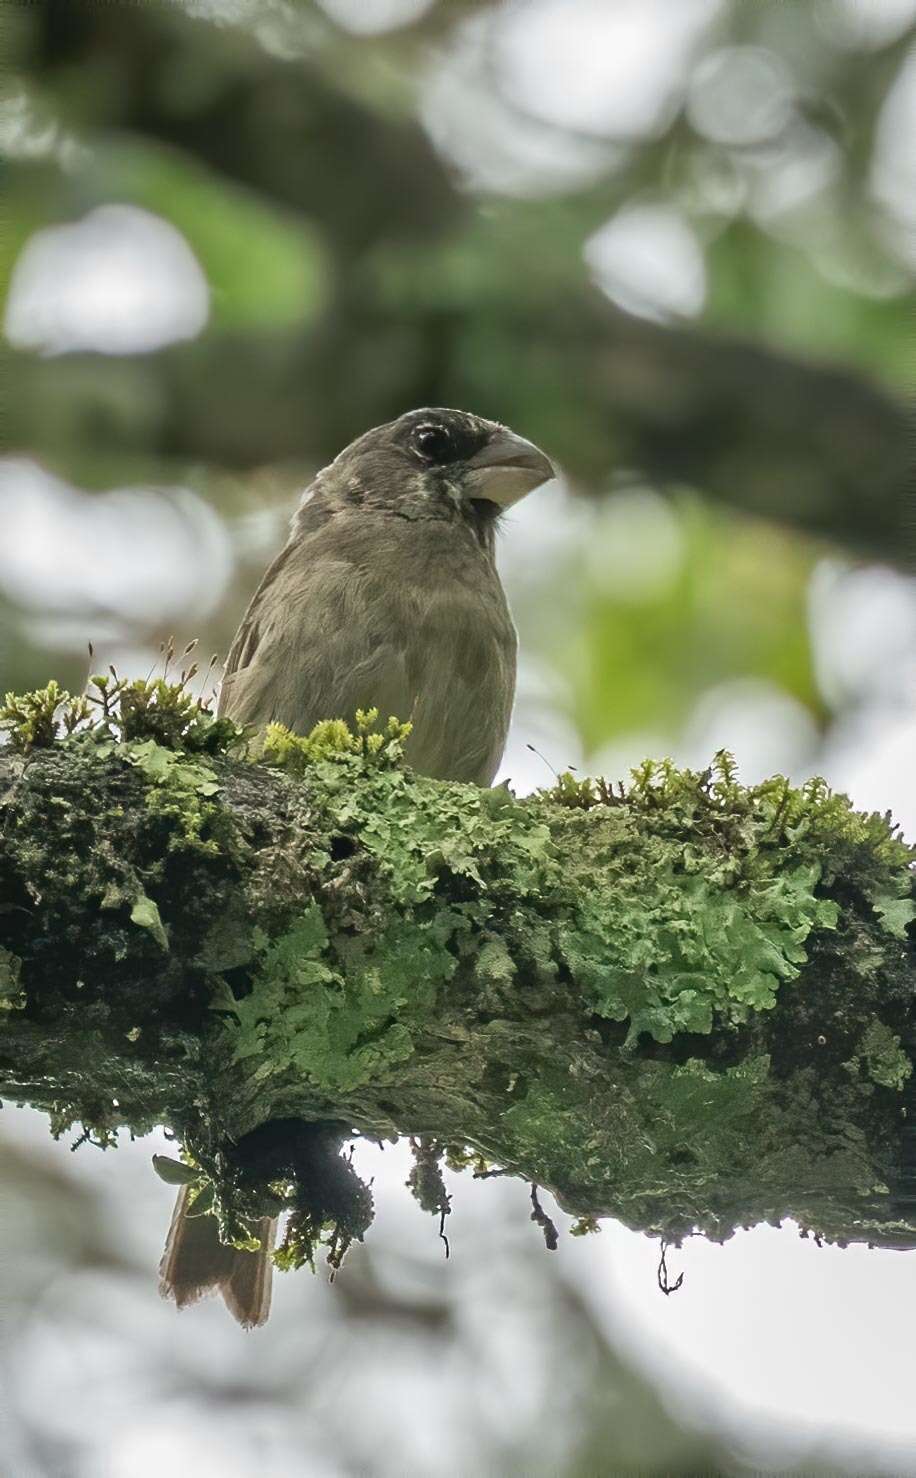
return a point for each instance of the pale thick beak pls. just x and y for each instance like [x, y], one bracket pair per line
[505, 469]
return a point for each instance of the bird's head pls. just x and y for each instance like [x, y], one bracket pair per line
[434, 463]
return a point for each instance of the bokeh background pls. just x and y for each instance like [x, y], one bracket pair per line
[672, 241]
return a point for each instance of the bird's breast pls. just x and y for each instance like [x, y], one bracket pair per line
[459, 649]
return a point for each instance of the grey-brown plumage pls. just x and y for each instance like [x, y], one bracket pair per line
[386, 596]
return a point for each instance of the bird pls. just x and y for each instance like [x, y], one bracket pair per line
[386, 596]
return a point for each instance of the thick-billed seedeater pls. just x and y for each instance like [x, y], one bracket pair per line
[385, 596]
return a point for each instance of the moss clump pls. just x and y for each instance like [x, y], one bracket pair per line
[34, 720]
[122, 711]
[425, 1181]
[332, 739]
[168, 713]
[129, 817]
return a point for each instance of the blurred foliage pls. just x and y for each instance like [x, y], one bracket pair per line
[399, 218]
[392, 215]
[409, 211]
[265, 269]
[670, 593]
[763, 286]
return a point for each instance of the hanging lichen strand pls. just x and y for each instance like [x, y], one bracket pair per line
[688, 1005]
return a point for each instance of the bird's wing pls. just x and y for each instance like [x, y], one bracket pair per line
[315, 643]
[245, 641]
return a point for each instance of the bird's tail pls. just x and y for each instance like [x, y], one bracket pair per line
[195, 1262]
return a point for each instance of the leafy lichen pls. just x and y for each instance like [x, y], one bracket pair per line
[11, 997]
[884, 1058]
[336, 1019]
[180, 787]
[665, 949]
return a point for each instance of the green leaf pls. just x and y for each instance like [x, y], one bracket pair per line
[145, 914]
[174, 1172]
[221, 998]
[154, 760]
[202, 1204]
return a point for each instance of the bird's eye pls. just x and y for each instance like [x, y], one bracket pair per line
[434, 443]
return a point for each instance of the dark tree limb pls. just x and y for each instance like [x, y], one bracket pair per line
[816, 448]
[820, 448]
[278, 126]
[691, 1008]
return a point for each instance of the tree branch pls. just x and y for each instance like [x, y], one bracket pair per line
[813, 447]
[690, 1008]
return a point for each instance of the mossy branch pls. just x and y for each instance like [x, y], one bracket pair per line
[688, 1004]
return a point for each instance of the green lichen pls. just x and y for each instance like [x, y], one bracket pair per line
[727, 887]
[336, 1018]
[896, 912]
[884, 1058]
[179, 788]
[666, 950]
[422, 831]
[11, 997]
